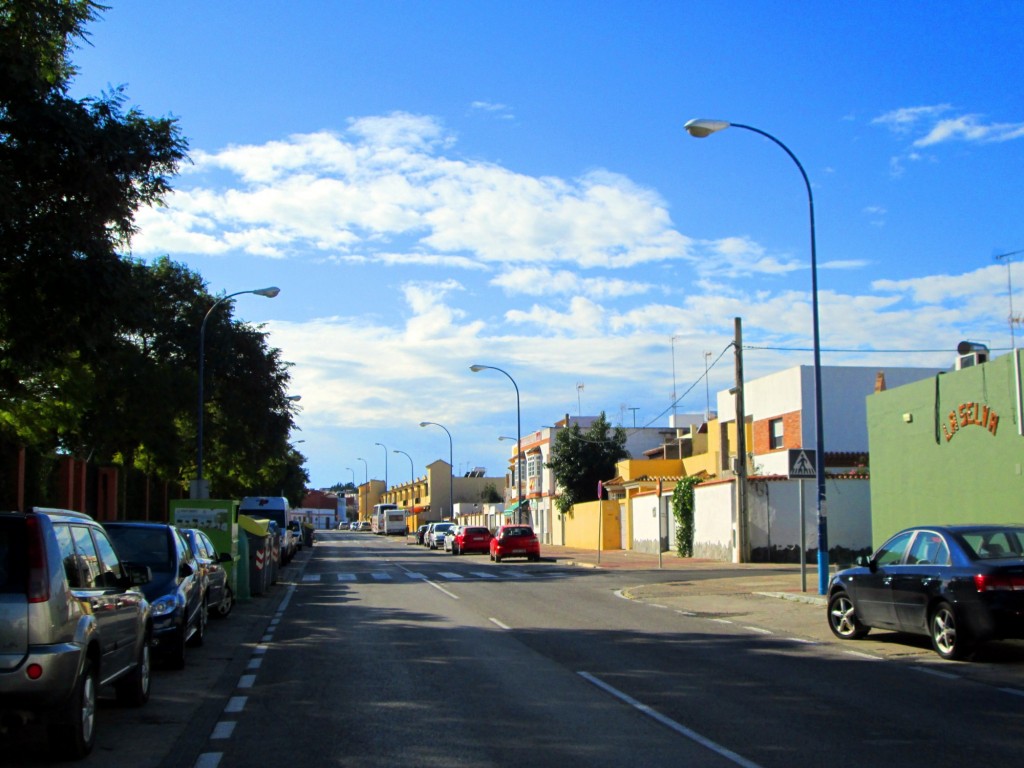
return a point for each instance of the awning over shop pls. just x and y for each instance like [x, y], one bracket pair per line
[515, 507]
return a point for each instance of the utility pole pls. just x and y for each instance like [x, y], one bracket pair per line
[740, 468]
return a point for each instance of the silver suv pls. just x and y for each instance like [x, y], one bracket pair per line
[71, 620]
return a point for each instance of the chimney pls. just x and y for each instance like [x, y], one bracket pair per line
[880, 381]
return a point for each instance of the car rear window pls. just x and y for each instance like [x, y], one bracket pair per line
[519, 532]
[989, 544]
[143, 546]
[13, 561]
[476, 530]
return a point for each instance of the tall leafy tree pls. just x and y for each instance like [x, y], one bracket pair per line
[582, 458]
[73, 173]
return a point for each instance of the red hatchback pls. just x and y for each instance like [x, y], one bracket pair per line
[470, 538]
[515, 541]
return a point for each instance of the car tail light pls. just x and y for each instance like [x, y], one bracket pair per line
[998, 582]
[38, 583]
[34, 671]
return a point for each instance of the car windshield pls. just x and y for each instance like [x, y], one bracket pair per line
[143, 546]
[442, 527]
[994, 543]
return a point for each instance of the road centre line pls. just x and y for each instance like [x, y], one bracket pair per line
[223, 729]
[439, 588]
[682, 730]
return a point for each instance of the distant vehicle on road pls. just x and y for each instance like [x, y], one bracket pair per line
[514, 541]
[471, 538]
[388, 520]
[958, 584]
[435, 537]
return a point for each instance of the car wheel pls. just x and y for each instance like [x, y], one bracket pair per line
[497, 558]
[842, 618]
[73, 728]
[226, 604]
[948, 641]
[199, 635]
[133, 688]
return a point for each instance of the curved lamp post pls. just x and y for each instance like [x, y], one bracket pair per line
[700, 129]
[366, 471]
[353, 476]
[451, 464]
[519, 439]
[199, 490]
[412, 468]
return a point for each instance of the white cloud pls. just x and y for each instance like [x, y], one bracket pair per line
[385, 179]
[934, 128]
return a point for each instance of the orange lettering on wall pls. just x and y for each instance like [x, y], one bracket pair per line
[967, 414]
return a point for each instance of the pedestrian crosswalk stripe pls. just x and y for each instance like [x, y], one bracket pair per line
[484, 575]
[453, 576]
[381, 575]
[414, 575]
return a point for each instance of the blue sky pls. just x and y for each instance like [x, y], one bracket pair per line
[438, 184]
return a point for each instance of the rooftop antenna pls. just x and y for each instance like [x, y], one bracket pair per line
[1009, 292]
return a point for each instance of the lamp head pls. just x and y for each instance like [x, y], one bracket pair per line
[270, 292]
[424, 423]
[701, 128]
[477, 368]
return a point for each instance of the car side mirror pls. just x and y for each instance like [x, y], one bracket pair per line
[866, 562]
[185, 570]
[225, 557]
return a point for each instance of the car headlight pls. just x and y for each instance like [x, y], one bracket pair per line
[163, 605]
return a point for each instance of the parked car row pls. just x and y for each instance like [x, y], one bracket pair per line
[506, 541]
[85, 604]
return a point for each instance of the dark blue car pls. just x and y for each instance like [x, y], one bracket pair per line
[176, 592]
[958, 584]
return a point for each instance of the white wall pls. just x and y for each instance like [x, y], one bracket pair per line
[713, 521]
[645, 524]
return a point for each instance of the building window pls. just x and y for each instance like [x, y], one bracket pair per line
[775, 433]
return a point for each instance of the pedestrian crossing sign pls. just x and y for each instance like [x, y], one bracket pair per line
[802, 463]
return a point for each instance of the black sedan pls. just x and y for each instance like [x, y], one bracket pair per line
[958, 584]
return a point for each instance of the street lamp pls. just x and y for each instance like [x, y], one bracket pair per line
[199, 489]
[700, 129]
[366, 471]
[519, 439]
[451, 463]
[353, 476]
[412, 468]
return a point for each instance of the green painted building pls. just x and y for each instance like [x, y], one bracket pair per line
[948, 449]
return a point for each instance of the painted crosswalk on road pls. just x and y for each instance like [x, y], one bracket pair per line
[332, 577]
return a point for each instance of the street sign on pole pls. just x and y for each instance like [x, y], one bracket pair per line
[802, 463]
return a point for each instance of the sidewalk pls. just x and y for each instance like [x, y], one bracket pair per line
[782, 580]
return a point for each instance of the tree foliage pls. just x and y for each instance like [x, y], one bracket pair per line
[99, 351]
[580, 459]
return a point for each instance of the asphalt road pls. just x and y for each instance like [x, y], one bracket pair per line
[372, 652]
